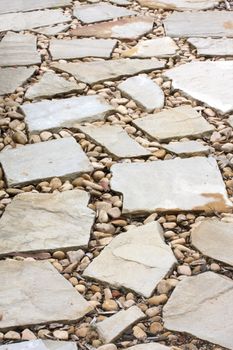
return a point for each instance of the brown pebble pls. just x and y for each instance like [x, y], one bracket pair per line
[157, 299]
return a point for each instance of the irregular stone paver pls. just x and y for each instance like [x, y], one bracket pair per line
[12, 78]
[55, 114]
[194, 80]
[126, 28]
[230, 121]
[208, 315]
[159, 47]
[212, 47]
[18, 50]
[51, 85]
[29, 5]
[100, 12]
[196, 185]
[50, 221]
[149, 346]
[115, 140]
[113, 327]
[52, 30]
[60, 345]
[40, 161]
[25, 283]
[34, 19]
[174, 123]
[199, 24]
[141, 253]
[95, 72]
[39, 344]
[79, 48]
[144, 91]
[214, 239]
[187, 148]
[179, 5]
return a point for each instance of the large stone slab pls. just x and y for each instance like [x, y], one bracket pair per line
[191, 184]
[179, 5]
[174, 123]
[39, 344]
[214, 239]
[199, 24]
[24, 286]
[208, 315]
[40, 161]
[187, 148]
[54, 30]
[208, 82]
[12, 78]
[60, 345]
[56, 114]
[98, 71]
[29, 5]
[212, 47]
[137, 259]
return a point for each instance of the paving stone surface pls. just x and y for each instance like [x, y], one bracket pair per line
[144, 261]
[187, 148]
[29, 5]
[39, 344]
[208, 315]
[60, 345]
[12, 78]
[149, 346]
[212, 47]
[40, 161]
[179, 5]
[230, 121]
[52, 30]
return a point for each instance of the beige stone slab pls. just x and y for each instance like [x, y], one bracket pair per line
[39, 344]
[12, 78]
[30, 5]
[212, 47]
[179, 5]
[187, 148]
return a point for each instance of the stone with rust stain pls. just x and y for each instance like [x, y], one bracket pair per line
[179, 5]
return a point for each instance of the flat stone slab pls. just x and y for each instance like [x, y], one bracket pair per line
[179, 5]
[80, 48]
[212, 47]
[98, 71]
[29, 5]
[214, 239]
[42, 161]
[54, 30]
[115, 140]
[174, 123]
[199, 24]
[25, 283]
[194, 80]
[149, 346]
[50, 222]
[99, 12]
[230, 121]
[141, 253]
[144, 91]
[39, 344]
[12, 78]
[196, 185]
[213, 296]
[187, 148]
[113, 327]
[56, 114]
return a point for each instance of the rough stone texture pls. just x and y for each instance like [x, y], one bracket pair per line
[113, 327]
[194, 80]
[20, 287]
[95, 72]
[230, 121]
[29, 5]
[214, 239]
[52, 30]
[39, 344]
[179, 5]
[141, 253]
[80, 48]
[12, 78]
[174, 123]
[199, 24]
[187, 148]
[55, 114]
[144, 91]
[149, 346]
[115, 140]
[208, 315]
[196, 185]
[40, 161]
[212, 47]
[50, 221]
[100, 12]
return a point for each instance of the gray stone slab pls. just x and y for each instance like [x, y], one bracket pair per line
[191, 184]
[29, 5]
[56, 114]
[54, 30]
[24, 286]
[39, 344]
[60, 345]
[187, 148]
[149, 346]
[208, 315]
[137, 260]
[98, 71]
[212, 47]
[12, 78]
[40, 161]
[179, 5]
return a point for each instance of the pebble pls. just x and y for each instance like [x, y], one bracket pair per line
[184, 270]
[152, 311]
[139, 333]
[156, 327]
[109, 346]
[12, 335]
[62, 335]
[157, 299]
[27, 334]
[110, 305]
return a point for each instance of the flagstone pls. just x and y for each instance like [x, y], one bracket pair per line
[230, 121]
[209, 82]
[98, 71]
[54, 30]
[29, 5]
[212, 47]
[140, 253]
[187, 148]
[149, 346]
[179, 5]
[25, 283]
[208, 315]
[60, 345]
[12, 78]
[39, 344]
[55, 114]
[42, 161]
[121, 2]
[152, 96]
[196, 185]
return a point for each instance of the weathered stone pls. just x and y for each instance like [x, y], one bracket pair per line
[12, 78]
[95, 72]
[212, 47]
[174, 123]
[60, 345]
[149, 346]
[39, 344]
[194, 80]
[214, 239]
[208, 315]
[196, 185]
[54, 30]
[40, 161]
[29, 5]
[55, 114]
[179, 5]
[121, 2]
[187, 148]
[230, 121]
[141, 253]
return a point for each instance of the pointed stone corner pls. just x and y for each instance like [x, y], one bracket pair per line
[39, 344]
[194, 300]
[179, 5]
[187, 148]
[12, 78]
[143, 256]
